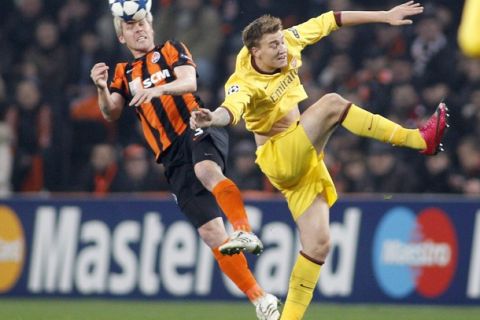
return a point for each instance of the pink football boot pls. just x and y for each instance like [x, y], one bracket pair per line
[433, 130]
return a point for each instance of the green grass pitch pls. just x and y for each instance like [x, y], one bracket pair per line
[63, 309]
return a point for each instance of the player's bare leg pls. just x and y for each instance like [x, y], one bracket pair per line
[321, 118]
[213, 233]
[313, 226]
[230, 200]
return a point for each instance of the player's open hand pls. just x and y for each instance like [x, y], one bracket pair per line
[99, 75]
[201, 118]
[145, 95]
[397, 15]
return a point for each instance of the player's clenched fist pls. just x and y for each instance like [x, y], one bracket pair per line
[99, 75]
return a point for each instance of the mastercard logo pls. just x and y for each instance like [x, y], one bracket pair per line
[12, 249]
[415, 253]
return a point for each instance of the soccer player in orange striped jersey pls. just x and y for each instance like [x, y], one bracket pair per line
[158, 85]
[265, 90]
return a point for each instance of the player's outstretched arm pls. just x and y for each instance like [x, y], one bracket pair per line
[111, 105]
[203, 118]
[397, 16]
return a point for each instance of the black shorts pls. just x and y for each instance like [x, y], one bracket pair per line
[196, 202]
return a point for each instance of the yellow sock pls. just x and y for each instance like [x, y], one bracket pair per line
[367, 124]
[303, 281]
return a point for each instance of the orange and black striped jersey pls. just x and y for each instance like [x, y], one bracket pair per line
[166, 117]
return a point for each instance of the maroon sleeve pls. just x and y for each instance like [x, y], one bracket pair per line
[338, 18]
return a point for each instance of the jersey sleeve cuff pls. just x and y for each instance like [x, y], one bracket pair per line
[338, 18]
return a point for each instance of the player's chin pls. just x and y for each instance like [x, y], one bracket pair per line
[144, 45]
[281, 63]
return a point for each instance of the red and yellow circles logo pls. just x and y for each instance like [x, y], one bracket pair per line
[12, 249]
[415, 252]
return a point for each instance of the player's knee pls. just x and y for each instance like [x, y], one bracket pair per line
[209, 173]
[334, 99]
[201, 171]
[333, 105]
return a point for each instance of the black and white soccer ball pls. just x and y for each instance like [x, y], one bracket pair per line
[130, 10]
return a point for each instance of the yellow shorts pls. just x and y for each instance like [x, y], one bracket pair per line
[292, 165]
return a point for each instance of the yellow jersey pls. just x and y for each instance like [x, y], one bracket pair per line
[263, 99]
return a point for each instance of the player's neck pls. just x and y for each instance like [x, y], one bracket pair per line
[138, 53]
[262, 68]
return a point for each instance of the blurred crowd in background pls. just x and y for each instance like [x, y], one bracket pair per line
[54, 139]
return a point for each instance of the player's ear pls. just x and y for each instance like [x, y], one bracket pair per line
[254, 51]
[121, 38]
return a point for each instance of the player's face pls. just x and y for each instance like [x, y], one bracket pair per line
[271, 53]
[137, 36]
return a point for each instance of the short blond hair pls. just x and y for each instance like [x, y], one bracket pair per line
[117, 23]
[254, 32]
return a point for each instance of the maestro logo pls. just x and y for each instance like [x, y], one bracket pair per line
[12, 248]
[415, 253]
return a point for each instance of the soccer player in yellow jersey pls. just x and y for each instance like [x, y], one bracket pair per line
[469, 31]
[265, 89]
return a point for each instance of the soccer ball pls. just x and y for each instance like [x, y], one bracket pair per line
[130, 10]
